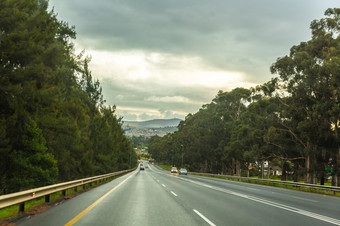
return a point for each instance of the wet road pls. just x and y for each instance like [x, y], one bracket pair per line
[156, 197]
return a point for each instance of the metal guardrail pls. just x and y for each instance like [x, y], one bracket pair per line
[24, 196]
[330, 189]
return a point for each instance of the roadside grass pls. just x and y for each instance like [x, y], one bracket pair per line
[306, 189]
[38, 205]
[279, 179]
[166, 167]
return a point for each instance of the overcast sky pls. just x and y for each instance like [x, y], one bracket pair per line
[166, 58]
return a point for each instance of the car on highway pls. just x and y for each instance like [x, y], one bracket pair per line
[183, 171]
[174, 170]
[141, 167]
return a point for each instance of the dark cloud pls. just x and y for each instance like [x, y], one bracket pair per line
[124, 97]
[243, 36]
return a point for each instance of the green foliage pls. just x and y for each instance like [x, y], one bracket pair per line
[53, 124]
[292, 121]
[140, 142]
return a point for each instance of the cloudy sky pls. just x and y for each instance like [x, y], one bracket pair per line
[166, 58]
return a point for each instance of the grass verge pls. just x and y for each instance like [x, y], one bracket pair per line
[166, 167]
[306, 189]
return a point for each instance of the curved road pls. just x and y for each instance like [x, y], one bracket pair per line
[156, 197]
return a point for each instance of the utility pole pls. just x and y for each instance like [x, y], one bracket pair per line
[182, 154]
[172, 151]
[130, 157]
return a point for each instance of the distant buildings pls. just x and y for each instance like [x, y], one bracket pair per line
[148, 132]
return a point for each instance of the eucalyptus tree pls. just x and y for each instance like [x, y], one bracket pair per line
[229, 107]
[310, 75]
[283, 135]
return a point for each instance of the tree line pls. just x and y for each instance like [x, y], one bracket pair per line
[291, 121]
[54, 125]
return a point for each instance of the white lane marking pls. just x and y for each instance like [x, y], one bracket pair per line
[204, 218]
[174, 193]
[163, 185]
[309, 200]
[278, 205]
[157, 180]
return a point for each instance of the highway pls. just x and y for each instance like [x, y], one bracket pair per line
[156, 197]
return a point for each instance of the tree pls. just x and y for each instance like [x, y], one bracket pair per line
[50, 104]
[310, 76]
[230, 106]
[29, 164]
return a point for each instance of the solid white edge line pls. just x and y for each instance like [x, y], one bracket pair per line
[278, 205]
[174, 193]
[204, 218]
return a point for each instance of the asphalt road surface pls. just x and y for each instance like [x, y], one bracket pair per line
[156, 197]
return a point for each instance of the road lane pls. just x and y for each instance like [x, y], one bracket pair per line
[156, 197]
[140, 201]
[322, 204]
[228, 201]
[68, 209]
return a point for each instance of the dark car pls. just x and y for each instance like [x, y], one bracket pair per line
[141, 167]
[183, 171]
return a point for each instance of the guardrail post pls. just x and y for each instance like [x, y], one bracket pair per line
[63, 192]
[75, 189]
[22, 207]
[47, 198]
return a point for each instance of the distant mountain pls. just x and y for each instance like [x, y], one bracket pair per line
[152, 124]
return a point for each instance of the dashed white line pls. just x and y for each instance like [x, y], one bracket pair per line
[163, 185]
[174, 193]
[204, 218]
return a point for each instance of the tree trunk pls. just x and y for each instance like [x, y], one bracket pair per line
[248, 171]
[237, 168]
[296, 171]
[284, 171]
[268, 170]
[233, 166]
[333, 179]
[337, 168]
[262, 169]
[314, 178]
[322, 178]
[224, 170]
[307, 178]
